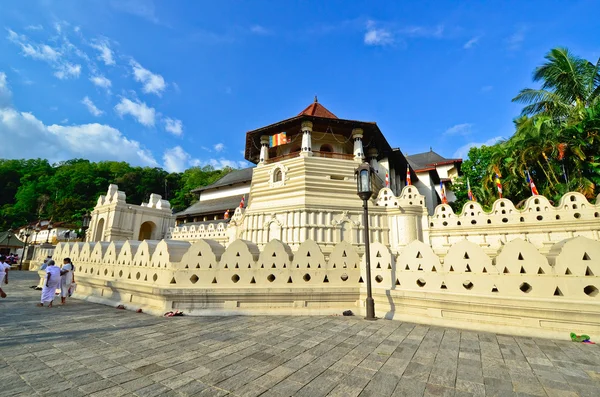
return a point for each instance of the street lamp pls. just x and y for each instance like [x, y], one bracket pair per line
[25, 233]
[85, 224]
[364, 191]
[49, 230]
[9, 235]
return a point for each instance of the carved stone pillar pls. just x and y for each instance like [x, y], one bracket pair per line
[357, 135]
[306, 139]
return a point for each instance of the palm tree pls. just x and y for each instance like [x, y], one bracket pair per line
[569, 85]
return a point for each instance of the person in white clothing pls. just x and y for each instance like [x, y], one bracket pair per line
[4, 267]
[67, 279]
[51, 284]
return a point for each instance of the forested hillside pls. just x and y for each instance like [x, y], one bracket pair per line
[36, 189]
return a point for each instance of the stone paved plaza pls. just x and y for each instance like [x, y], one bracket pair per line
[87, 349]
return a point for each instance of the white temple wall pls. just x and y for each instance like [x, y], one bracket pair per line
[519, 290]
[226, 191]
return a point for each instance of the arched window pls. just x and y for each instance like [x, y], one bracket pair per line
[326, 148]
[277, 176]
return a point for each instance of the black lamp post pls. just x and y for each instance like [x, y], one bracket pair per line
[49, 230]
[364, 191]
[9, 235]
[38, 229]
[85, 224]
[25, 233]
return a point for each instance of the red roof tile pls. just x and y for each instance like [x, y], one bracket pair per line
[317, 110]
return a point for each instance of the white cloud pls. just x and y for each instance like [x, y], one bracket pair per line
[463, 151]
[144, 114]
[459, 129]
[22, 132]
[152, 83]
[34, 27]
[173, 126]
[219, 147]
[514, 42]
[377, 36]
[141, 8]
[423, 31]
[471, 43]
[177, 160]
[67, 70]
[91, 107]
[101, 81]
[106, 54]
[260, 30]
[5, 94]
[487, 88]
[54, 57]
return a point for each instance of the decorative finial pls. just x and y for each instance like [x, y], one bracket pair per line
[430, 149]
[316, 100]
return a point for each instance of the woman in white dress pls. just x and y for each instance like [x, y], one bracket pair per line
[51, 284]
[67, 279]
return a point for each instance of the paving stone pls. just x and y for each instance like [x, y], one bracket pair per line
[113, 353]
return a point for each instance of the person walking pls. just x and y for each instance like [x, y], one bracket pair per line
[4, 267]
[51, 284]
[67, 279]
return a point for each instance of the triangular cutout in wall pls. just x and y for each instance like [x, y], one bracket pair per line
[308, 254]
[541, 271]
[187, 267]
[588, 272]
[378, 255]
[522, 270]
[397, 282]
[273, 266]
[505, 270]
[253, 281]
[586, 257]
[378, 265]
[407, 268]
[237, 266]
[419, 256]
[290, 280]
[274, 255]
[520, 257]
[360, 280]
[214, 280]
[443, 286]
[389, 266]
[334, 265]
[494, 289]
[420, 267]
[238, 254]
[466, 256]
[433, 269]
[568, 272]
[468, 269]
[225, 267]
[344, 254]
[558, 292]
[173, 281]
[484, 270]
[451, 268]
[325, 280]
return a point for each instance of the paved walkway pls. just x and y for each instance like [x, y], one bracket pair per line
[86, 349]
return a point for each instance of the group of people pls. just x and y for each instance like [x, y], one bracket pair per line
[62, 278]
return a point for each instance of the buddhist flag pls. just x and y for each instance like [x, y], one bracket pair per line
[278, 139]
[387, 180]
[443, 193]
[408, 181]
[470, 193]
[499, 185]
[534, 191]
[242, 203]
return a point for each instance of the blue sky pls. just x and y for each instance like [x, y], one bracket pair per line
[178, 83]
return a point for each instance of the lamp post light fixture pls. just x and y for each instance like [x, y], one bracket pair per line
[85, 224]
[49, 227]
[37, 229]
[365, 191]
[25, 233]
[9, 235]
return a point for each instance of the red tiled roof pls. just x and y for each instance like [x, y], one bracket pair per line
[317, 110]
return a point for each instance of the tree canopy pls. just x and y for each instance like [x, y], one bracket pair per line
[36, 189]
[556, 137]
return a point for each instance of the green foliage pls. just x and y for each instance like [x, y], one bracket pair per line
[34, 189]
[556, 139]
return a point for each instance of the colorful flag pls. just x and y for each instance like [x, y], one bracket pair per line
[242, 203]
[408, 181]
[470, 193]
[443, 192]
[499, 185]
[387, 180]
[534, 191]
[278, 139]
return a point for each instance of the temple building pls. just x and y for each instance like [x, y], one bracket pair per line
[317, 132]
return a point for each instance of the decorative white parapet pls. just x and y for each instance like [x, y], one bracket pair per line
[519, 290]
